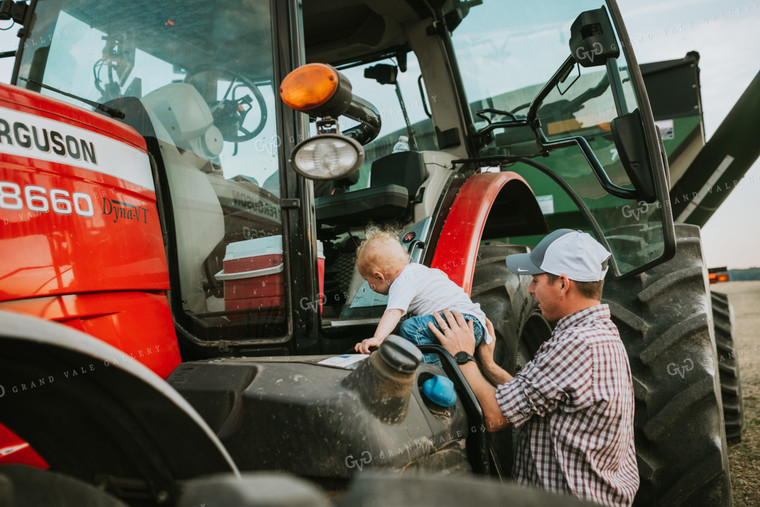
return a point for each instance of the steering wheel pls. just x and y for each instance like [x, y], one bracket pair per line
[231, 110]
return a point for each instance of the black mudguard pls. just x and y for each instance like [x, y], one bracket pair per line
[95, 414]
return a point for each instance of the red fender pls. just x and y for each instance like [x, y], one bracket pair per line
[138, 323]
[458, 243]
[16, 451]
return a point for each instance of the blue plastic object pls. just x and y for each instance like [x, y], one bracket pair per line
[440, 390]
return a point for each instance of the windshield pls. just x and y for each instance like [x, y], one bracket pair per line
[196, 79]
[506, 51]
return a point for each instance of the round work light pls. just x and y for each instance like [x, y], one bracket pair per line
[327, 157]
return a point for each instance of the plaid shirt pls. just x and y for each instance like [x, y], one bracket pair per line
[575, 403]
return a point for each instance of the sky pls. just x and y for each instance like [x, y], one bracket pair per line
[726, 33]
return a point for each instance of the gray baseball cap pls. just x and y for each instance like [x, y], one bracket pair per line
[574, 254]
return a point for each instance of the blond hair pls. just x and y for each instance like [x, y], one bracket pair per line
[380, 251]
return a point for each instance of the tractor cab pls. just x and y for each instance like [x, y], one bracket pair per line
[198, 80]
[541, 97]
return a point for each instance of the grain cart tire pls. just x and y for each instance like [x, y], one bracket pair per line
[728, 367]
[520, 328]
[665, 321]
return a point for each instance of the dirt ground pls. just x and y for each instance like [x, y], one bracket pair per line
[744, 457]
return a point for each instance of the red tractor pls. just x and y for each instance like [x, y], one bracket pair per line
[178, 290]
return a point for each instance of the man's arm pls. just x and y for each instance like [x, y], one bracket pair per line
[458, 336]
[385, 327]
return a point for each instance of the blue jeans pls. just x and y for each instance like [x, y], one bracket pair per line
[416, 330]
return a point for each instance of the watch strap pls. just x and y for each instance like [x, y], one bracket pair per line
[463, 357]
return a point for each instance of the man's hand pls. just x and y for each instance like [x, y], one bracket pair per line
[485, 350]
[458, 334]
[364, 345]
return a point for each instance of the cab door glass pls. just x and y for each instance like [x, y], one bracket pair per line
[506, 52]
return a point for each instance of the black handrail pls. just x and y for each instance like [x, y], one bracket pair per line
[477, 443]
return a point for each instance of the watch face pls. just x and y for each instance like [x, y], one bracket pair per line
[463, 357]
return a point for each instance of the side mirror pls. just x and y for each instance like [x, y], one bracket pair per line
[631, 144]
[382, 73]
[592, 39]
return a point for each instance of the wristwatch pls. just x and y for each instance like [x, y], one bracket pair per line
[463, 357]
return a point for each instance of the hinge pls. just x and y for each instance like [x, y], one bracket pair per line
[438, 27]
[290, 203]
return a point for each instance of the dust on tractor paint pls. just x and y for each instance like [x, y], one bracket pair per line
[183, 188]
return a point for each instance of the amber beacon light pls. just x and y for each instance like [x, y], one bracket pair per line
[320, 90]
[317, 89]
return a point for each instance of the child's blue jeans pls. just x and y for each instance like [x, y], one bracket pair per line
[416, 330]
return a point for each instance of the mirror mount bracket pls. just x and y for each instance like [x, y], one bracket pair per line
[592, 39]
[15, 11]
[559, 76]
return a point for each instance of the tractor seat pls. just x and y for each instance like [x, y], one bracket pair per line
[394, 182]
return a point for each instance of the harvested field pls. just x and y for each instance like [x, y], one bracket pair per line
[744, 457]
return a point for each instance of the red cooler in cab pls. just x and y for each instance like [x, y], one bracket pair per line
[253, 275]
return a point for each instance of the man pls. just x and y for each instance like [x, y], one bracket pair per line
[574, 401]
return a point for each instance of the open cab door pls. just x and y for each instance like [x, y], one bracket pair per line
[579, 129]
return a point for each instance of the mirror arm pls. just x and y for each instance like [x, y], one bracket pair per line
[368, 117]
[577, 200]
[520, 122]
[532, 120]
[581, 142]
[557, 78]
[599, 172]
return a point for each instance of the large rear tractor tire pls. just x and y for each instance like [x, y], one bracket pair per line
[503, 296]
[665, 321]
[728, 367]
[520, 328]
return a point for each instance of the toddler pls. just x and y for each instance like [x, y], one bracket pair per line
[411, 288]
